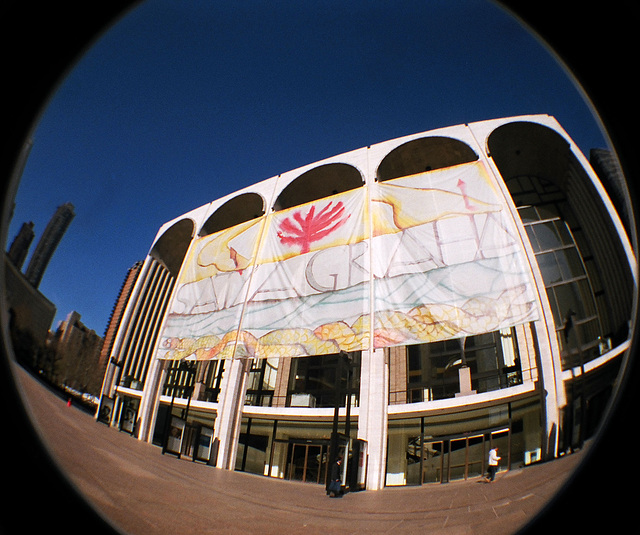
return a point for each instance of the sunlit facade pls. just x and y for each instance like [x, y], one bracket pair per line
[426, 297]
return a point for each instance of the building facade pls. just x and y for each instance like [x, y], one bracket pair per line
[411, 303]
[30, 315]
[77, 352]
[115, 319]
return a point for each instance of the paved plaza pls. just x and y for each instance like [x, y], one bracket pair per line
[143, 492]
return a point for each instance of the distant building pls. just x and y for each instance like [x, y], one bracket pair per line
[48, 243]
[30, 315]
[115, 319]
[77, 349]
[442, 293]
[20, 245]
[30, 312]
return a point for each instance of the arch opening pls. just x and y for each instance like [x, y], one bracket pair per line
[244, 207]
[575, 243]
[171, 248]
[424, 154]
[318, 183]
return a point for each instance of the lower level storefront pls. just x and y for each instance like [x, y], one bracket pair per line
[448, 447]
[421, 449]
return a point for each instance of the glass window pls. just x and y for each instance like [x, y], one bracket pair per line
[549, 268]
[533, 239]
[253, 445]
[433, 369]
[403, 452]
[558, 241]
[457, 458]
[493, 359]
[547, 236]
[262, 382]
[210, 375]
[527, 214]
[476, 453]
[443, 448]
[564, 233]
[313, 380]
[569, 264]
[545, 211]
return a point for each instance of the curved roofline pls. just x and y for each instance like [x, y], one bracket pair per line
[366, 160]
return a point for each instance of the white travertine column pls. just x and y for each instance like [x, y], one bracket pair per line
[230, 412]
[372, 424]
[150, 401]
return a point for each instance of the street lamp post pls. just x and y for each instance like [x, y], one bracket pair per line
[343, 358]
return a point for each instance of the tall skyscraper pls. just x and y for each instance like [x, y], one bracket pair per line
[20, 245]
[48, 243]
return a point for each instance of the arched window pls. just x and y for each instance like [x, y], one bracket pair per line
[172, 246]
[244, 207]
[424, 154]
[318, 183]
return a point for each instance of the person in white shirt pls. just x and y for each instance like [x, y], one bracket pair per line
[493, 463]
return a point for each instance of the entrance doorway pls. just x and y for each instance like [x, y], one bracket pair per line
[465, 457]
[459, 457]
[307, 461]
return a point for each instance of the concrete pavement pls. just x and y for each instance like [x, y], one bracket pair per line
[140, 491]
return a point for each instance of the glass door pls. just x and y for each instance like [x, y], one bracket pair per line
[432, 462]
[476, 455]
[466, 456]
[457, 458]
[307, 462]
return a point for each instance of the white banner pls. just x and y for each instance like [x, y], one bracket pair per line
[447, 262]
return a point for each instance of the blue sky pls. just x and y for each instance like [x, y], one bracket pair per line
[182, 102]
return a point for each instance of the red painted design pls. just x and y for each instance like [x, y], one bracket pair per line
[303, 230]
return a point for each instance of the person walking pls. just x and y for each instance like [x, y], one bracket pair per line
[493, 464]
